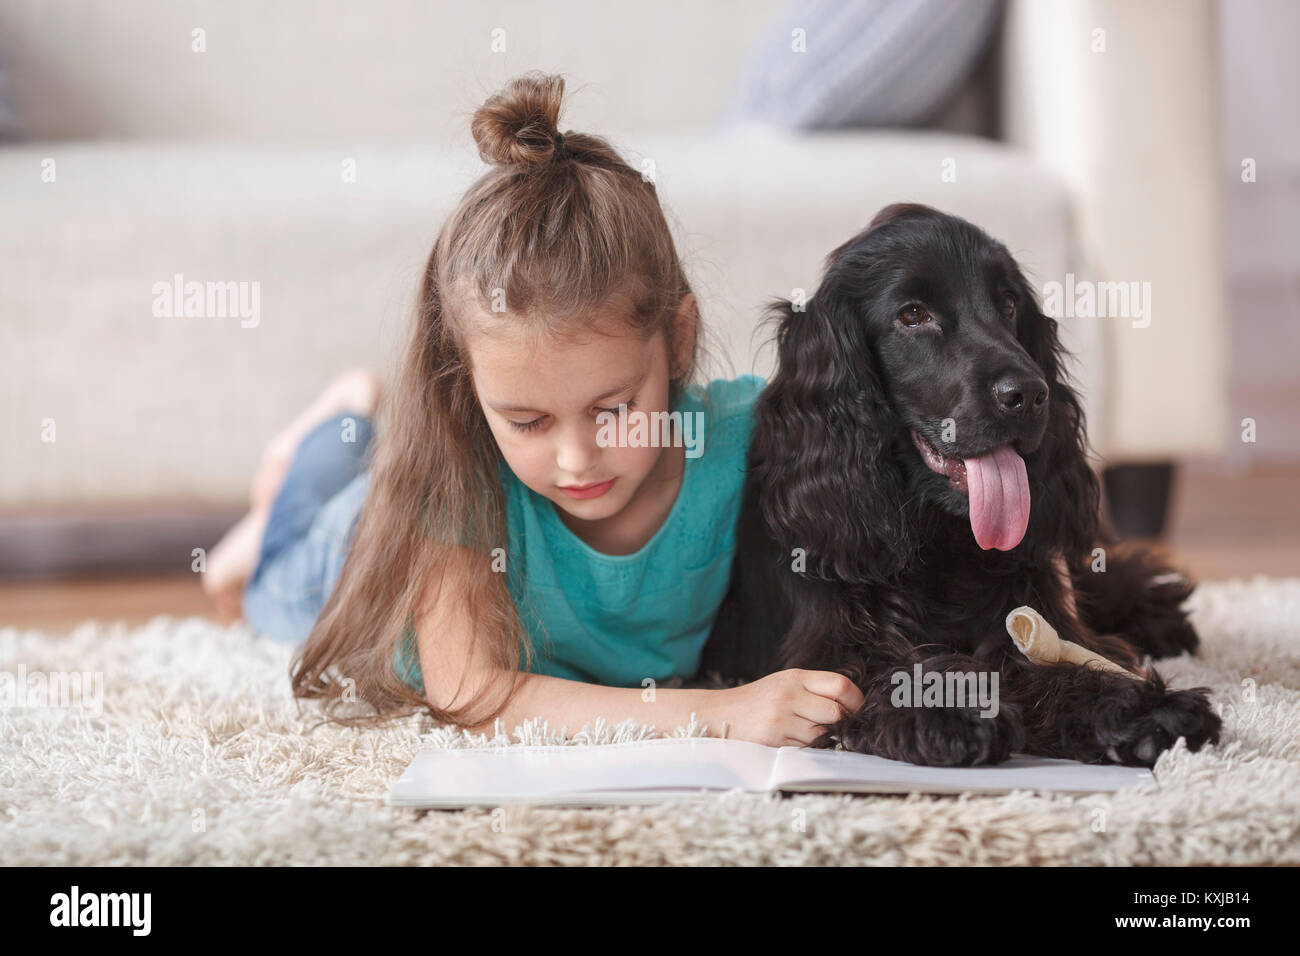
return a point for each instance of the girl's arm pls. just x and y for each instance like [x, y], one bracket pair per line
[573, 703]
[453, 675]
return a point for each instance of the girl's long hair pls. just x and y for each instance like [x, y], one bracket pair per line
[557, 234]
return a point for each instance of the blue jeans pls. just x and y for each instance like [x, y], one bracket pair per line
[310, 529]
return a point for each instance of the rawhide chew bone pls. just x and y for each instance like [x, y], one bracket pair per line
[1039, 642]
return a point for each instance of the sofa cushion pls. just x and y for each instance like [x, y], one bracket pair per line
[824, 64]
[9, 130]
[151, 405]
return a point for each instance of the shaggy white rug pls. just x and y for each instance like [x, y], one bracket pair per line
[201, 756]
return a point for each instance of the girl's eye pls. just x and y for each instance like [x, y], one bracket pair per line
[913, 315]
[536, 422]
[614, 410]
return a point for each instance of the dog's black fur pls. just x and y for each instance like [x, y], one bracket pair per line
[912, 325]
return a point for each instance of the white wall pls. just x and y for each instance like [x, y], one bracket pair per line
[1260, 71]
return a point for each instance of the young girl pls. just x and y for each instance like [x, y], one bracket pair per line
[499, 551]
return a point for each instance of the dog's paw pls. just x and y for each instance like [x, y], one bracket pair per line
[1137, 736]
[1163, 634]
[1160, 627]
[935, 736]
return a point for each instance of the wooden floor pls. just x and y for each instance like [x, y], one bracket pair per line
[1222, 526]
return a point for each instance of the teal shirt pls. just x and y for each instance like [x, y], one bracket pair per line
[618, 619]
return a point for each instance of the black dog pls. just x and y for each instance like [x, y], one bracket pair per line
[918, 469]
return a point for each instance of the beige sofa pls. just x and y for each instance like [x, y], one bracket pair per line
[225, 166]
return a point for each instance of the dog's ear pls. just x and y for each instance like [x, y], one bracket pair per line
[829, 482]
[1063, 456]
[891, 213]
[901, 210]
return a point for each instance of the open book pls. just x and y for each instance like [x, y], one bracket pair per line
[669, 768]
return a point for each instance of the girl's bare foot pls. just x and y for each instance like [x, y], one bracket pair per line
[231, 562]
[233, 559]
[356, 390]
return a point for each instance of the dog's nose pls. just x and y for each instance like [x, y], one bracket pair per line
[1020, 396]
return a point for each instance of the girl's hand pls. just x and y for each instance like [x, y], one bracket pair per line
[789, 708]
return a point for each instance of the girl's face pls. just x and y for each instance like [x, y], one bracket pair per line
[541, 399]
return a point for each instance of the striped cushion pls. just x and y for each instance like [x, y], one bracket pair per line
[868, 62]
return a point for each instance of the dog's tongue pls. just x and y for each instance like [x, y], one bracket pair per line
[999, 498]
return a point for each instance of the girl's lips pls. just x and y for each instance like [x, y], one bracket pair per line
[587, 491]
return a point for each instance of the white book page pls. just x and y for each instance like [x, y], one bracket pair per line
[611, 773]
[808, 769]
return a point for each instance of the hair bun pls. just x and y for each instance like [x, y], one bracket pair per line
[518, 124]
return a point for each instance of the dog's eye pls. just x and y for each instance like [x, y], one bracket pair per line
[913, 315]
[1009, 305]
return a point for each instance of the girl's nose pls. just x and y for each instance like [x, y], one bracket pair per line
[577, 452]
